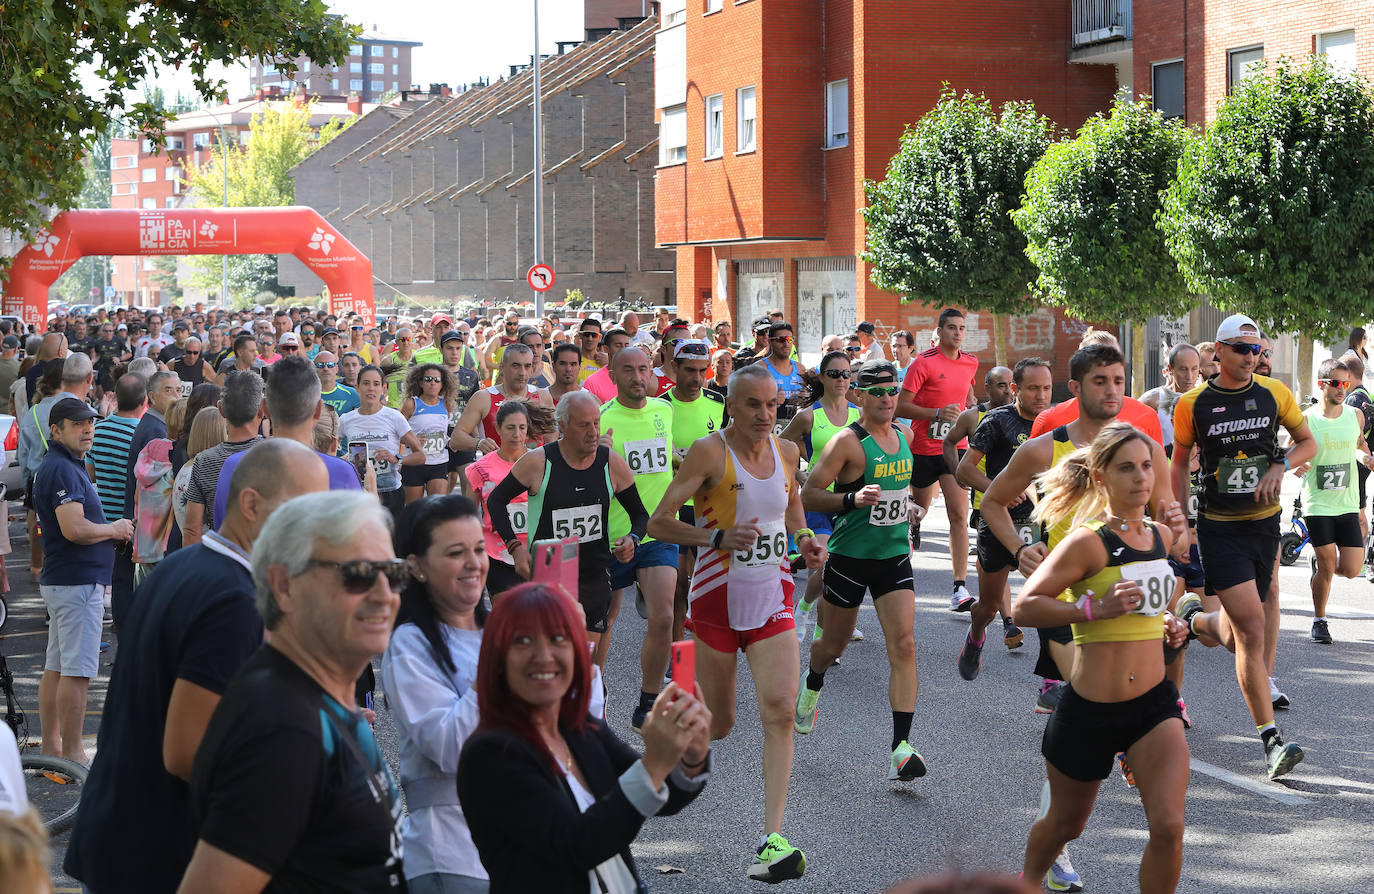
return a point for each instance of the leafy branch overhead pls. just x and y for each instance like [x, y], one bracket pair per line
[1272, 212]
[48, 120]
[939, 228]
[1089, 216]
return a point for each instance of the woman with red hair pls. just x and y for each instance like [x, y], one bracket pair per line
[553, 797]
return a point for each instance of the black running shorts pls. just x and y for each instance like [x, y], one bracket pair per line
[1083, 738]
[1234, 552]
[1342, 530]
[845, 578]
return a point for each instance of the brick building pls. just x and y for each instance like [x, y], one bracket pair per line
[377, 64]
[442, 200]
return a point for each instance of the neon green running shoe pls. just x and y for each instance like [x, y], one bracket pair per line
[805, 718]
[906, 763]
[777, 861]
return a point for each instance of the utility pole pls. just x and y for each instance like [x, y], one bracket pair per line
[538, 167]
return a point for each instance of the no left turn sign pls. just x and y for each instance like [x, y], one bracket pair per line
[540, 277]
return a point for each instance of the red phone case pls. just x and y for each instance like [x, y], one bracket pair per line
[685, 664]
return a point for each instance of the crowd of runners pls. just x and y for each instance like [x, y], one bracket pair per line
[702, 475]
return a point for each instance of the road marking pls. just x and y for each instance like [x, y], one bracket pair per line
[1282, 795]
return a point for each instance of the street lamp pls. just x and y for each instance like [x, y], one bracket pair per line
[538, 168]
[224, 163]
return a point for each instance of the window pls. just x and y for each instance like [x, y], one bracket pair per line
[355, 84]
[200, 140]
[148, 204]
[172, 173]
[393, 86]
[377, 86]
[334, 84]
[376, 51]
[837, 114]
[673, 12]
[176, 143]
[149, 175]
[355, 67]
[376, 68]
[1241, 64]
[395, 70]
[146, 147]
[744, 119]
[712, 6]
[715, 120]
[176, 187]
[395, 52]
[305, 67]
[1166, 87]
[1339, 49]
[672, 136]
[169, 202]
[355, 49]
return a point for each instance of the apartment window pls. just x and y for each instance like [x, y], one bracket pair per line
[673, 12]
[355, 49]
[1339, 49]
[1241, 64]
[713, 6]
[377, 51]
[355, 84]
[672, 136]
[200, 140]
[377, 86]
[176, 143]
[334, 84]
[837, 114]
[176, 187]
[355, 67]
[377, 68]
[744, 119]
[395, 52]
[1166, 88]
[715, 115]
[169, 202]
[148, 204]
[149, 175]
[172, 173]
[395, 70]
[146, 147]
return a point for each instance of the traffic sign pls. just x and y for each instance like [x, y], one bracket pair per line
[540, 277]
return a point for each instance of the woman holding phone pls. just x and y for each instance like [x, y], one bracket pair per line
[512, 430]
[385, 432]
[1111, 580]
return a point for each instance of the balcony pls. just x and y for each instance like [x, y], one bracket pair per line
[1100, 21]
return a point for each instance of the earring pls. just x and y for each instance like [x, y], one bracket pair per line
[419, 577]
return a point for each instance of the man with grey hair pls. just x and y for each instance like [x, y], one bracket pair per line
[191, 367]
[327, 583]
[193, 626]
[241, 405]
[567, 480]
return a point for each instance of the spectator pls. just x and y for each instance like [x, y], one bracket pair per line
[109, 454]
[14, 796]
[53, 346]
[70, 378]
[80, 553]
[202, 396]
[536, 743]
[206, 430]
[293, 404]
[194, 625]
[164, 389]
[326, 578]
[9, 362]
[242, 407]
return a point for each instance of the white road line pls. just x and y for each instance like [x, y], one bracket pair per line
[1282, 795]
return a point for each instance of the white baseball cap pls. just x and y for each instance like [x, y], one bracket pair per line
[1234, 327]
[288, 338]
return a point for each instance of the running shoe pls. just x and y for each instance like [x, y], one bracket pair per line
[1320, 632]
[1279, 699]
[906, 764]
[777, 861]
[1049, 698]
[1183, 710]
[961, 600]
[1125, 769]
[1281, 757]
[1062, 876]
[804, 721]
[913, 537]
[1012, 635]
[970, 658]
[856, 636]
[1187, 607]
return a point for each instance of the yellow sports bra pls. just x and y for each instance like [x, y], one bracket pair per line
[1149, 567]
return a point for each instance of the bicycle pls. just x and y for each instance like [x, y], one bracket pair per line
[1292, 543]
[53, 784]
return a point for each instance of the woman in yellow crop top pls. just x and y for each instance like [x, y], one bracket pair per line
[1109, 578]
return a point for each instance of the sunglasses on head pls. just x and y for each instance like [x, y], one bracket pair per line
[1242, 347]
[836, 373]
[881, 390]
[691, 347]
[329, 364]
[360, 575]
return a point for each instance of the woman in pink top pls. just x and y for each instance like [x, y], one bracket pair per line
[512, 430]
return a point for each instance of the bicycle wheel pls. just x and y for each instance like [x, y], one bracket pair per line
[4, 612]
[54, 785]
[1290, 545]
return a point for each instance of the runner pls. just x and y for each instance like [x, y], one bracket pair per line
[870, 463]
[588, 344]
[1002, 431]
[567, 362]
[493, 352]
[640, 428]
[517, 364]
[384, 431]
[1329, 500]
[696, 414]
[1108, 578]
[938, 387]
[429, 394]
[454, 351]
[1180, 376]
[742, 484]
[785, 372]
[1233, 419]
[333, 392]
[600, 383]
[1359, 399]
[512, 427]
[1132, 410]
[570, 482]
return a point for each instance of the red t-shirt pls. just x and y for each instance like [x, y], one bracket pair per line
[1132, 411]
[937, 381]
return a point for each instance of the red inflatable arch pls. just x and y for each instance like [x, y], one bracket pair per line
[191, 231]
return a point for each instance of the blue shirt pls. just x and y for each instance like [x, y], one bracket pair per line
[342, 398]
[342, 476]
[62, 479]
[108, 456]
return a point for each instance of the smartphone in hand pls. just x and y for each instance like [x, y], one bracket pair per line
[555, 565]
[684, 665]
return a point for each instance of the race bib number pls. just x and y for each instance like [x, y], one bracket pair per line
[454, 416]
[1157, 579]
[186, 389]
[769, 549]
[1335, 477]
[1240, 476]
[1194, 496]
[382, 466]
[582, 522]
[648, 457]
[890, 510]
[520, 517]
[1027, 533]
[939, 428]
[434, 445]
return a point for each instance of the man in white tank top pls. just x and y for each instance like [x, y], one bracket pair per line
[1181, 371]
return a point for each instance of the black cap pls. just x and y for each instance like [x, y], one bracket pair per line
[181, 324]
[865, 327]
[70, 408]
[10, 342]
[329, 330]
[761, 325]
[876, 372]
[450, 336]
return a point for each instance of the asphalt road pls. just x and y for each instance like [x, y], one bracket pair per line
[861, 833]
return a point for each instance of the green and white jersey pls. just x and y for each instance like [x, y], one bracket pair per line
[876, 532]
[693, 420]
[1330, 486]
[645, 438]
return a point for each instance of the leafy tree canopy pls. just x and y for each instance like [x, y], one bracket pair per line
[48, 120]
[939, 228]
[1089, 218]
[1272, 213]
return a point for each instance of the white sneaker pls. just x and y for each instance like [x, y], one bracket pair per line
[961, 600]
[856, 636]
[1276, 695]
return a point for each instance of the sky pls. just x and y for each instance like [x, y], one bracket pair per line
[463, 40]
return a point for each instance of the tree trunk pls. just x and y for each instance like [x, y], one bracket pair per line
[1302, 375]
[1001, 328]
[1138, 355]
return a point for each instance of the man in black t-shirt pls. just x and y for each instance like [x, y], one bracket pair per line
[289, 786]
[180, 331]
[194, 625]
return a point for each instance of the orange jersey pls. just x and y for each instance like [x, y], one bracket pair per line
[935, 380]
[1132, 411]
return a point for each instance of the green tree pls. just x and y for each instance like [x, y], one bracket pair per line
[163, 274]
[280, 137]
[48, 120]
[91, 271]
[1272, 213]
[939, 228]
[1089, 216]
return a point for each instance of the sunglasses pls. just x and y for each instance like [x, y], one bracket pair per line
[1241, 347]
[359, 575]
[836, 373]
[589, 335]
[881, 390]
[430, 379]
[781, 338]
[192, 354]
[693, 347]
[853, 349]
[403, 339]
[287, 347]
[326, 365]
[1333, 383]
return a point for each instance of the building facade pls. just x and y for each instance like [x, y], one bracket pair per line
[442, 200]
[378, 64]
